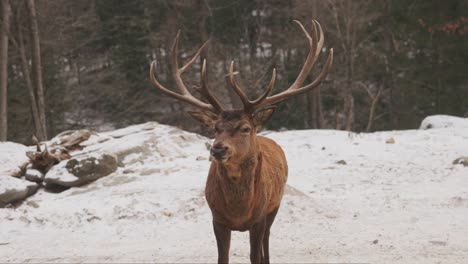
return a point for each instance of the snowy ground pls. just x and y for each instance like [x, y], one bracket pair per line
[390, 203]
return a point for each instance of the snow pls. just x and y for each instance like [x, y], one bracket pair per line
[60, 173]
[11, 183]
[34, 173]
[12, 158]
[13, 189]
[390, 203]
[444, 121]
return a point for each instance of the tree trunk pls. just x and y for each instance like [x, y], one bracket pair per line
[349, 110]
[311, 109]
[6, 13]
[27, 76]
[391, 47]
[318, 97]
[375, 98]
[315, 108]
[37, 65]
[348, 102]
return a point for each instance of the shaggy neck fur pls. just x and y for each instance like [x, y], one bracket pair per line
[238, 183]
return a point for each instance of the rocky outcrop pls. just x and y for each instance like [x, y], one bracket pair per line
[93, 156]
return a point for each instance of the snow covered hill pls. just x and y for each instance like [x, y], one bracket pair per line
[385, 197]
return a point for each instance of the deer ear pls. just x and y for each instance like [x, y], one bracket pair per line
[261, 116]
[206, 118]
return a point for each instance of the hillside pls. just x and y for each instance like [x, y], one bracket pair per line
[384, 197]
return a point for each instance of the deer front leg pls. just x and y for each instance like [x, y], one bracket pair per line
[223, 240]
[256, 237]
[266, 244]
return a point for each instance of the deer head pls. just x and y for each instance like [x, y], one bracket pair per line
[235, 130]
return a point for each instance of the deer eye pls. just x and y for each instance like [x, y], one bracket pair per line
[245, 130]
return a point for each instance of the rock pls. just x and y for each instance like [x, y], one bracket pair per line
[169, 149]
[81, 170]
[289, 190]
[390, 141]
[443, 121]
[121, 146]
[342, 162]
[135, 143]
[34, 175]
[135, 129]
[461, 160]
[12, 159]
[201, 158]
[33, 204]
[13, 189]
[207, 145]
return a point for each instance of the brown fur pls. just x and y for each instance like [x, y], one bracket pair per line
[238, 203]
[244, 191]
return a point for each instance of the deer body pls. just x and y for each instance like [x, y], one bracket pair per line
[238, 203]
[248, 173]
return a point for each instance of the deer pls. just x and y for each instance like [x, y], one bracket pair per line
[248, 172]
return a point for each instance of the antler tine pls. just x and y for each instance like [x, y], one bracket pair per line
[293, 92]
[321, 38]
[175, 52]
[184, 94]
[237, 89]
[205, 92]
[249, 106]
[316, 43]
[176, 72]
[188, 98]
[311, 57]
[188, 64]
[268, 89]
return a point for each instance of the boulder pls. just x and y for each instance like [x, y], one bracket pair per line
[133, 144]
[34, 175]
[12, 158]
[81, 170]
[444, 121]
[13, 189]
[121, 146]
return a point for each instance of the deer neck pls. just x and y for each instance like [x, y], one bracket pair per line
[238, 171]
[238, 183]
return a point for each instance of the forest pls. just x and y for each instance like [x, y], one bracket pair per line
[85, 64]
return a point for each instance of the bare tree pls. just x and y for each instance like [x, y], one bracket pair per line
[350, 23]
[6, 14]
[40, 133]
[37, 65]
[374, 95]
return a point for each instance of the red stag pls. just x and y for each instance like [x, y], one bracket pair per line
[248, 173]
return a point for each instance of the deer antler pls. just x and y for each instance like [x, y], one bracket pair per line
[184, 95]
[315, 44]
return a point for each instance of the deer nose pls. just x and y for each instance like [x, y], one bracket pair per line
[218, 151]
